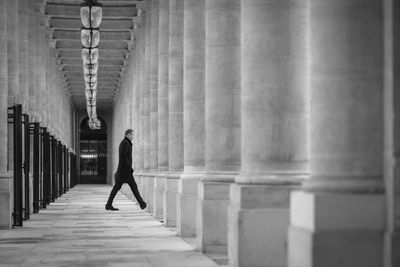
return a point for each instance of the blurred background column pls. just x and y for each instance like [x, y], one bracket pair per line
[222, 127]
[158, 209]
[275, 116]
[5, 175]
[339, 216]
[193, 116]
[175, 102]
[162, 197]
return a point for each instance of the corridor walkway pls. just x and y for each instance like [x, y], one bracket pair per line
[77, 231]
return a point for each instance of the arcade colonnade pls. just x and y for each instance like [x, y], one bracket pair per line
[266, 129]
[27, 69]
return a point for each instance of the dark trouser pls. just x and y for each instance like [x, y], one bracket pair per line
[117, 187]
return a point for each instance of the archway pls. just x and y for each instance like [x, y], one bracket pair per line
[93, 153]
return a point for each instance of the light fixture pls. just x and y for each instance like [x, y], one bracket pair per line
[90, 78]
[90, 68]
[90, 38]
[92, 85]
[90, 55]
[91, 14]
[91, 94]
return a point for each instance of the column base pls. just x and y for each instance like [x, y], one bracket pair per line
[150, 190]
[6, 201]
[211, 228]
[138, 181]
[143, 185]
[158, 196]
[258, 218]
[333, 229]
[170, 199]
[186, 213]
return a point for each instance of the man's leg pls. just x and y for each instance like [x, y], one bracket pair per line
[136, 193]
[114, 191]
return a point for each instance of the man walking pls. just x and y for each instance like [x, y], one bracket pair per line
[125, 172]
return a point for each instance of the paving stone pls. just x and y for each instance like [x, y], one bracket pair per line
[75, 230]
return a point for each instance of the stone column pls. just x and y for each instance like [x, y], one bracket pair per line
[13, 77]
[32, 26]
[37, 62]
[157, 206]
[146, 107]
[4, 86]
[141, 69]
[31, 63]
[136, 111]
[392, 131]
[23, 17]
[49, 96]
[274, 133]
[222, 122]
[338, 218]
[5, 176]
[132, 88]
[12, 52]
[175, 105]
[44, 103]
[161, 199]
[194, 115]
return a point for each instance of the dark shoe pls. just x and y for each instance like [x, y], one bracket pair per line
[143, 205]
[110, 207]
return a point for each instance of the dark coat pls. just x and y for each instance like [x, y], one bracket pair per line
[124, 171]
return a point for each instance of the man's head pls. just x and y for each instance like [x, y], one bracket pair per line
[129, 134]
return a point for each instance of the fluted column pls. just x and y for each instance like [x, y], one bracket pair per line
[157, 210]
[12, 52]
[222, 122]
[162, 198]
[153, 100]
[274, 133]
[141, 58]
[146, 90]
[136, 100]
[194, 115]
[23, 18]
[175, 104]
[38, 70]
[13, 77]
[132, 88]
[31, 60]
[146, 106]
[49, 96]
[338, 218]
[43, 97]
[5, 176]
[4, 85]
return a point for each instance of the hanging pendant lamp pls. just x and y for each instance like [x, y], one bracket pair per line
[91, 14]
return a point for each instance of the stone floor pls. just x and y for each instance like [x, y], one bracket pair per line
[77, 231]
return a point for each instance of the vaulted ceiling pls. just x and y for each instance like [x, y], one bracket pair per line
[117, 34]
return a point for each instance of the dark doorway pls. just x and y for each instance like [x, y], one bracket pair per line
[93, 153]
